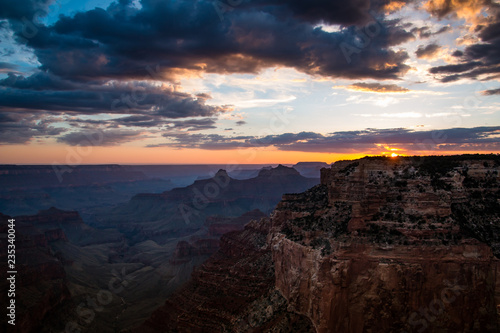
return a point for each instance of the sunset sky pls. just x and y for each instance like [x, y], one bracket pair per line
[246, 81]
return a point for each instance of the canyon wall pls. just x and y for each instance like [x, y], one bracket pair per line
[401, 244]
[383, 245]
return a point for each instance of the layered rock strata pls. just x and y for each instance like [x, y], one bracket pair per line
[381, 245]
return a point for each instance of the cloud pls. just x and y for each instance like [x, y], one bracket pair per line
[426, 32]
[458, 68]
[41, 99]
[119, 60]
[464, 9]
[381, 101]
[193, 124]
[135, 120]
[481, 138]
[481, 56]
[413, 115]
[393, 6]
[427, 52]
[26, 9]
[491, 92]
[377, 88]
[6, 67]
[240, 122]
[46, 92]
[16, 128]
[324, 11]
[125, 42]
[100, 137]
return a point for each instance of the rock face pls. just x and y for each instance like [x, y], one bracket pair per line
[41, 283]
[206, 243]
[232, 292]
[393, 244]
[219, 225]
[381, 245]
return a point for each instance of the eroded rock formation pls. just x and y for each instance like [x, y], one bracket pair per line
[381, 245]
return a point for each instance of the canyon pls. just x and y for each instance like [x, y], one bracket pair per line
[107, 269]
[380, 245]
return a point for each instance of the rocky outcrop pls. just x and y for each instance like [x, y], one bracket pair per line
[232, 292]
[219, 225]
[207, 243]
[186, 251]
[41, 283]
[381, 245]
[393, 245]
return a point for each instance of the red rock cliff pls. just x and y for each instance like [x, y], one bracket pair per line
[381, 245]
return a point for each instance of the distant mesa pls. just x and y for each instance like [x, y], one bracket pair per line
[279, 171]
[311, 165]
[310, 169]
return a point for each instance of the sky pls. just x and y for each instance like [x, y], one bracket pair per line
[246, 81]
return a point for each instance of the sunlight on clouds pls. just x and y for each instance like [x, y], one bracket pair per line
[253, 103]
[375, 88]
[377, 101]
[467, 39]
[472, 11]
[268, 88]
[393, 6]
[329, 28]
[386, 150]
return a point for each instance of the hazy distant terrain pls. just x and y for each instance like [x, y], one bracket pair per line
[125, 226]
[28, 189]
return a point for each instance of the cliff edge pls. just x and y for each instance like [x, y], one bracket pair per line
[406, 244]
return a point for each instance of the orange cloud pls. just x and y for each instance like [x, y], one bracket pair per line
[393, 6]
[377, 88]
[469, 10]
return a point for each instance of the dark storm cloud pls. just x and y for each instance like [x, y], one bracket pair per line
[51, 93]
[38, 81]
[193, 124]
[137, 121]
[28, 99]
[321, 11]
[19, 129]
[146, 121]
[121, 42]
[19, 9]
[346, 141]
[100, 137]
[91, 62]
[428, 51]
[352, 12]
[459, 68]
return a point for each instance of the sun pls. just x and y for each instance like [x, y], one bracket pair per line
[394, 155]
